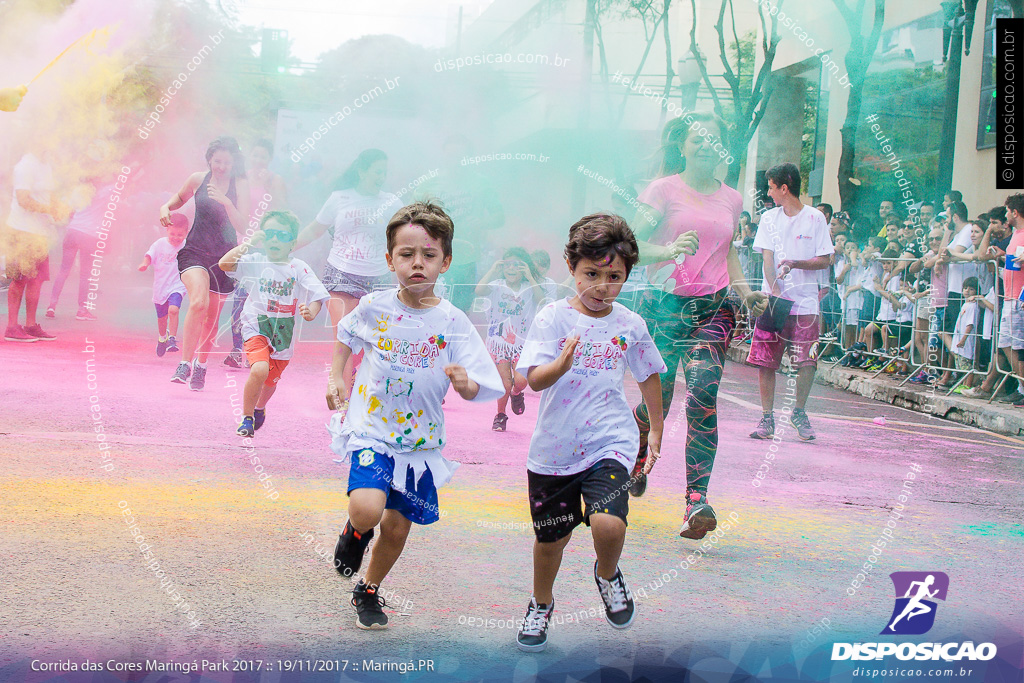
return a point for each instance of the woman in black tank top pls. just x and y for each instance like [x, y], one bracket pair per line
[222, 198]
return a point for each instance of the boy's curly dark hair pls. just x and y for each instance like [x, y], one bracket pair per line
[599, 237]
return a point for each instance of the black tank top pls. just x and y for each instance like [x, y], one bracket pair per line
[212, 231]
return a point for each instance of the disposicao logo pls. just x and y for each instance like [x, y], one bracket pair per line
[916, 592]
[914, 614]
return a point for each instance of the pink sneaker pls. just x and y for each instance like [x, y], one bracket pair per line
[16, 333]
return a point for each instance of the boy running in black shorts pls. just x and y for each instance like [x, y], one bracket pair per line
[586, 440]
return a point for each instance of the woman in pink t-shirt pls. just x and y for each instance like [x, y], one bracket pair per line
[684, 228]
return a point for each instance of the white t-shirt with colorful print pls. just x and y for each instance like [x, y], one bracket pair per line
[275, 292]
[509, 316]
[585, 417]
[395, 406]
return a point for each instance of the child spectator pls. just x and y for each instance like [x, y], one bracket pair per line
[585, 444]
[513, 302]
[168, 290]
[279, 286]
[963, 333]
[889, 300]
[849, 278]
[416, 346]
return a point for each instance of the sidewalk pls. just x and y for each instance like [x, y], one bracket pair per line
[996, 417]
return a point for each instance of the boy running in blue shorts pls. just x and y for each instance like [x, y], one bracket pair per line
[415, 345]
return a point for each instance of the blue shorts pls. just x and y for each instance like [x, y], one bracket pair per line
[173, 300]
[372, 470]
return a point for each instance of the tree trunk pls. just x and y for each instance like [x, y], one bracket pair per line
[847, 190]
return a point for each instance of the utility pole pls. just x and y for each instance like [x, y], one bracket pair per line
[954, 17]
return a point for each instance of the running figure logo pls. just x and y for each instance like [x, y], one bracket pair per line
[914, 612]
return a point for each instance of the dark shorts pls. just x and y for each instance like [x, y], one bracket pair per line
[173, 300]
[901, 331]
[372, 470]
[194, 258]
[868, 308]
[953, 306]
[555, 500]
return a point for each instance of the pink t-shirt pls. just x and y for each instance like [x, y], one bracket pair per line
[1013, 280]
[714, 216]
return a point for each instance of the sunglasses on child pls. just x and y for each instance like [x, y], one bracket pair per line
[279, 235]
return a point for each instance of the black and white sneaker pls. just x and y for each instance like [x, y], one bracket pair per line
[181, 375]
[369, 607]
[349, 551]
[533, 633]
[618, 601]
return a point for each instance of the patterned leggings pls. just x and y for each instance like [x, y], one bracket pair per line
[694, 331]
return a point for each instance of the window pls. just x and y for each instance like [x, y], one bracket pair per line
[997, 9]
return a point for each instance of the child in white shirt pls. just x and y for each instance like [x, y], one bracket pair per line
[416, 346]
[964, 333]
[586, 440]
[168, 289]
[513, 301]
[279, 286]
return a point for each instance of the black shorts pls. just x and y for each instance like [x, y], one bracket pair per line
[220, 282]
[901, 331]
[954, 303]
[555, 501]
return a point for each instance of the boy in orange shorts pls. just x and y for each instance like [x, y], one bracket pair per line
[280, 286]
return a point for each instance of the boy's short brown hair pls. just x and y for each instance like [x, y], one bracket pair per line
[601, 236]
[431, 217]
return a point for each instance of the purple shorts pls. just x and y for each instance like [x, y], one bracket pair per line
[799, 335]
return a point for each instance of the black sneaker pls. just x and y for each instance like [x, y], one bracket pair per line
[518, 403]
[348, 553]
[161, 347]
[172, 344]
[618, 602]
[198, 380]
[234, 359]
[533, 633]
[181, 375]
[500, 422]
[700, 517]
[368, 604]
[259, 416]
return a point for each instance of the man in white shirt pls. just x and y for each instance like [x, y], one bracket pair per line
[797, 249]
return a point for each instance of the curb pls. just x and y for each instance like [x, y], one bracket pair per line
[995, 417]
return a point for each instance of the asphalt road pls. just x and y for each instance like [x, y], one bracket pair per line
[255, 569]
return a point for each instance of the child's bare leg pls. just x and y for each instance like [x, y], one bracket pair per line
[547, 558]
[161, 327]
[254, 385]
[609, 535]
[265, 393]
[505, 370]
[365, 508]
[172, 320]
[394, 530]
[518, 383]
